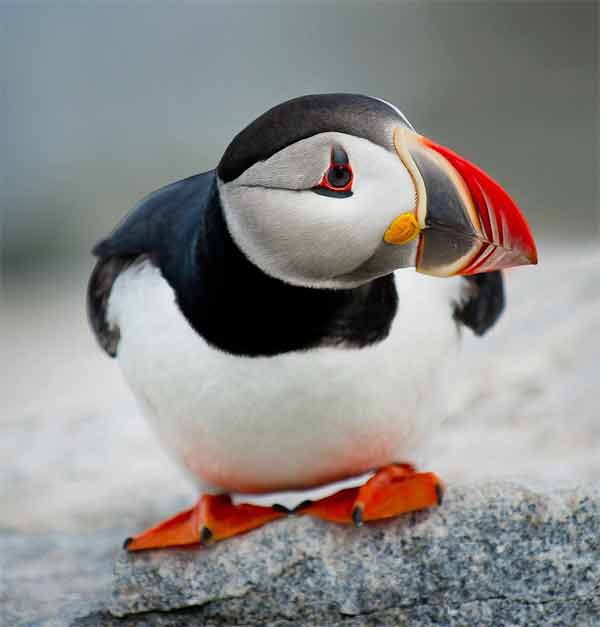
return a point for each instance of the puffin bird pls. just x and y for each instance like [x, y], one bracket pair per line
[268, 317]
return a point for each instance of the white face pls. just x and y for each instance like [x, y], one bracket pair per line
[304, 238]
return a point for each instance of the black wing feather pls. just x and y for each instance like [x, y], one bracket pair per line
[99, 287]
[160, 224]
[485, 303]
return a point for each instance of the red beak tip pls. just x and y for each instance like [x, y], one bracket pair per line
[530, 252]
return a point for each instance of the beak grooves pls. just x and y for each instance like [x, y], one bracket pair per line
[504, 237]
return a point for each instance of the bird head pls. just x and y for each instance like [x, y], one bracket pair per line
[335, 190]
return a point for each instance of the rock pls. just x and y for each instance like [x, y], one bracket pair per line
[493, 553]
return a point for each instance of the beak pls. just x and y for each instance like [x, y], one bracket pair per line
[466, 222]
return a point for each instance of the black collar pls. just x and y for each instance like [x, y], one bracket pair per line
[238, 308]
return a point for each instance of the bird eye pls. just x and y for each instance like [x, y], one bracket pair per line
[337, 180]
[338, 176]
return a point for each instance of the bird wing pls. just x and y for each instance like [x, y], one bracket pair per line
[156, 229]
[484, 303]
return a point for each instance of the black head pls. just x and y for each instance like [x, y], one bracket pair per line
[303, 117]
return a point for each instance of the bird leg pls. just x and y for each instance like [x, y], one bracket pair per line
[393, 490]
[213, 518]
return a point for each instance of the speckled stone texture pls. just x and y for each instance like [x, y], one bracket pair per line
[493, 554]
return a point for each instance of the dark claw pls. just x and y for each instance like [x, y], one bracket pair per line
[439, 491]
[281, 508]
[302, 505]
[357, 519]
[127, 542]
[205, 535]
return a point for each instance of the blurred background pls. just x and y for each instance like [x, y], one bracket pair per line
[105, 101]
[102, 102]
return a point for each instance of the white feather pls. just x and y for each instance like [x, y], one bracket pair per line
[300, 419]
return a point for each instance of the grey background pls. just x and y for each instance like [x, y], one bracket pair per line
[103, 102]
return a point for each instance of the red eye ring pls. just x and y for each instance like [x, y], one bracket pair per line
[338, 178]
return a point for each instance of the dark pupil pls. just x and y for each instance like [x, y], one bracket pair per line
[338, 176]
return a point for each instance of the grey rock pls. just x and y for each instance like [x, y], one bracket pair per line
[493, 554]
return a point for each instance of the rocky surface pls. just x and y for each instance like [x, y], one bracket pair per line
[494, 553]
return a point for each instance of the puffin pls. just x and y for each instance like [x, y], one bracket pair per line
[285, 320]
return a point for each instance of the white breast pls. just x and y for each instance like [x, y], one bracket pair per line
[256, 424]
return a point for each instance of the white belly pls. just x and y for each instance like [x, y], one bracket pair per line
[257, 424]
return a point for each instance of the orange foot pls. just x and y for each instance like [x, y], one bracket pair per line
[393, 490]
[213, 518]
